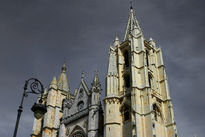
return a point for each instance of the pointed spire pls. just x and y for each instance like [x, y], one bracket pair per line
[116, 41]
[96, 83]
[53, 83]
[62, 81]
[96, 79]
[112, 64]
[132, 25]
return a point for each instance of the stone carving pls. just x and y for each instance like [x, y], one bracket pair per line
[94, 112]
[67, 103]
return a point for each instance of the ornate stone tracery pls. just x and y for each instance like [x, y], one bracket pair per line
[77, 132]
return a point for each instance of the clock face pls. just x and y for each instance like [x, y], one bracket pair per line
[80, 106]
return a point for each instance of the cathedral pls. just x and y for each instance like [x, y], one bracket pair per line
[137, 102]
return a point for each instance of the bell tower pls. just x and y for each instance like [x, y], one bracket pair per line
[58, 90]
[137, 101]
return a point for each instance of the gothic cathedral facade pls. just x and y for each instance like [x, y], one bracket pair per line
[137, 102]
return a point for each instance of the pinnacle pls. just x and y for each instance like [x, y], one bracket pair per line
[62, 81]
[54, 81]
[96, 79]
[64, 68]
[82, 75]
[116, 38]
[116, 41]
[151, 41]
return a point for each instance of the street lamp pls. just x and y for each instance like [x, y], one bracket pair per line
[39, 109]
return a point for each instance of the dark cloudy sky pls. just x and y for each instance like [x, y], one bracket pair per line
[36, 36]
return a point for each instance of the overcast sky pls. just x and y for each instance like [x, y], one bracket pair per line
[37, 36]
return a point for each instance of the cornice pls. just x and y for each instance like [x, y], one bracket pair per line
[111, 123]
[76, 116]
[112, 100]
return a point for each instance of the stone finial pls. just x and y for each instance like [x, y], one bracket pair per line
[64, 68]
[96, 82]
[116, 41]
[82, 75]
[96, 79]
[151, 41]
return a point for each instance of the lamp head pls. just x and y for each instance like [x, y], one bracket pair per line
[39, 110]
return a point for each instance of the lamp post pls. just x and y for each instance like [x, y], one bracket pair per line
[33, 86]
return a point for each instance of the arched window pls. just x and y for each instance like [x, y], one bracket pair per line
[127, 80]
[77, 132]
[126, 58]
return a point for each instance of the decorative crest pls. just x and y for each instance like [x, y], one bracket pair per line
[82, 75]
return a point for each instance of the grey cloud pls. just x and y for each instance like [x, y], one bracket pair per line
[37, 36]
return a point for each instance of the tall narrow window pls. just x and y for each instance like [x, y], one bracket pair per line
[150, 80]
[126, 113]
[147, 58]
[127, 80]
[126, 58]
[155, 111]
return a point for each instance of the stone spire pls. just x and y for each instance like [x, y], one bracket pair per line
[132, 25]
[96, 86]
[53, 83]
[112, 65]
[62, 81]
[96, 82]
